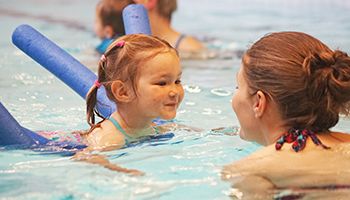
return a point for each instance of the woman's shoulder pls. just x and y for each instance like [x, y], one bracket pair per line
[276, 165]
[342, 137]
[311, 155]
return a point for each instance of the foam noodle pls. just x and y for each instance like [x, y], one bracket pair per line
[11, 133]
[61, 64]
[136, 20]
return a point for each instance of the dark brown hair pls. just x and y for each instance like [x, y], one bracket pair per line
[110, 13]
[309, 81]
[166, 8]
[122, 62]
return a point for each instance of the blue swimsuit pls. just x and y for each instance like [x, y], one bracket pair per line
[102, 47]
[128, 139]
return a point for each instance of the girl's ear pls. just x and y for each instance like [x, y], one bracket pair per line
[260, 103]
[121, 91]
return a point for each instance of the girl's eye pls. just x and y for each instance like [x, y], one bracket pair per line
[236, 87]
[178, 81]
[161, 83]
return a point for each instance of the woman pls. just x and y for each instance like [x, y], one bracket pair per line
[291, 90]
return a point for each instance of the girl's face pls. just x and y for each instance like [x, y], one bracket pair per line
[159, 88]
[243, 105]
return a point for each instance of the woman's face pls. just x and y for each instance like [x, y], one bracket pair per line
[243, 105]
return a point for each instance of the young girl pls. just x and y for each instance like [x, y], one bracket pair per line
[142, 75]
[291, 90]
[109, 22]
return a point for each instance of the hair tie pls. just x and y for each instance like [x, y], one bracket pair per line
[97, 84]
[120, 43]
[103, 58]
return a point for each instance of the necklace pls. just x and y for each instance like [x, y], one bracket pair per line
[298, 137]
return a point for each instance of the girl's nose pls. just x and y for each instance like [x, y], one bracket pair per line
[173, 92]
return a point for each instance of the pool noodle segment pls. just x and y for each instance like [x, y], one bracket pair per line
[12, 133]
[61, 64]
[135, 18]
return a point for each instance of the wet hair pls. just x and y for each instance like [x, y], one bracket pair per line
[309, 82]
[122, 61]
[166, 8]
[110, 13]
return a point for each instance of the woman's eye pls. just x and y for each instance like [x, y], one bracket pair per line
[178, 81]
[236, 87]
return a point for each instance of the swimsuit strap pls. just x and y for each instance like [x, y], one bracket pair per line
[156, 130]
[120, 129]
[178, 41]
[298, 137]
[127, 137]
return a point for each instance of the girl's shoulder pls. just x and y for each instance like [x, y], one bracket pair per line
[105, 137]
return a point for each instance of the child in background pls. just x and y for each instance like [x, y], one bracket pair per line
[109, 22]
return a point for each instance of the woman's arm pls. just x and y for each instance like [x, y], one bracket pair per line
[252, 187]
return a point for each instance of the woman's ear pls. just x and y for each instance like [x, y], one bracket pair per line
[121, 91]
[260, 103]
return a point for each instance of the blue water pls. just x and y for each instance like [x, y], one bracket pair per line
[184, 167]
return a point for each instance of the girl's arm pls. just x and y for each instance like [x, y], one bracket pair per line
[103, 139]
[86, 156]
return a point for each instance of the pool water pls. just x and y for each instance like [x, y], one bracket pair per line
[186, 166]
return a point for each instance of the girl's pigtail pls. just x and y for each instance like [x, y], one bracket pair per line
[91, 101]
[91, 97]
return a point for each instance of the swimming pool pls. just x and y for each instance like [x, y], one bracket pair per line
[188, 165]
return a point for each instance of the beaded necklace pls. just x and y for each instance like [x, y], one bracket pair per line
[298, 137]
